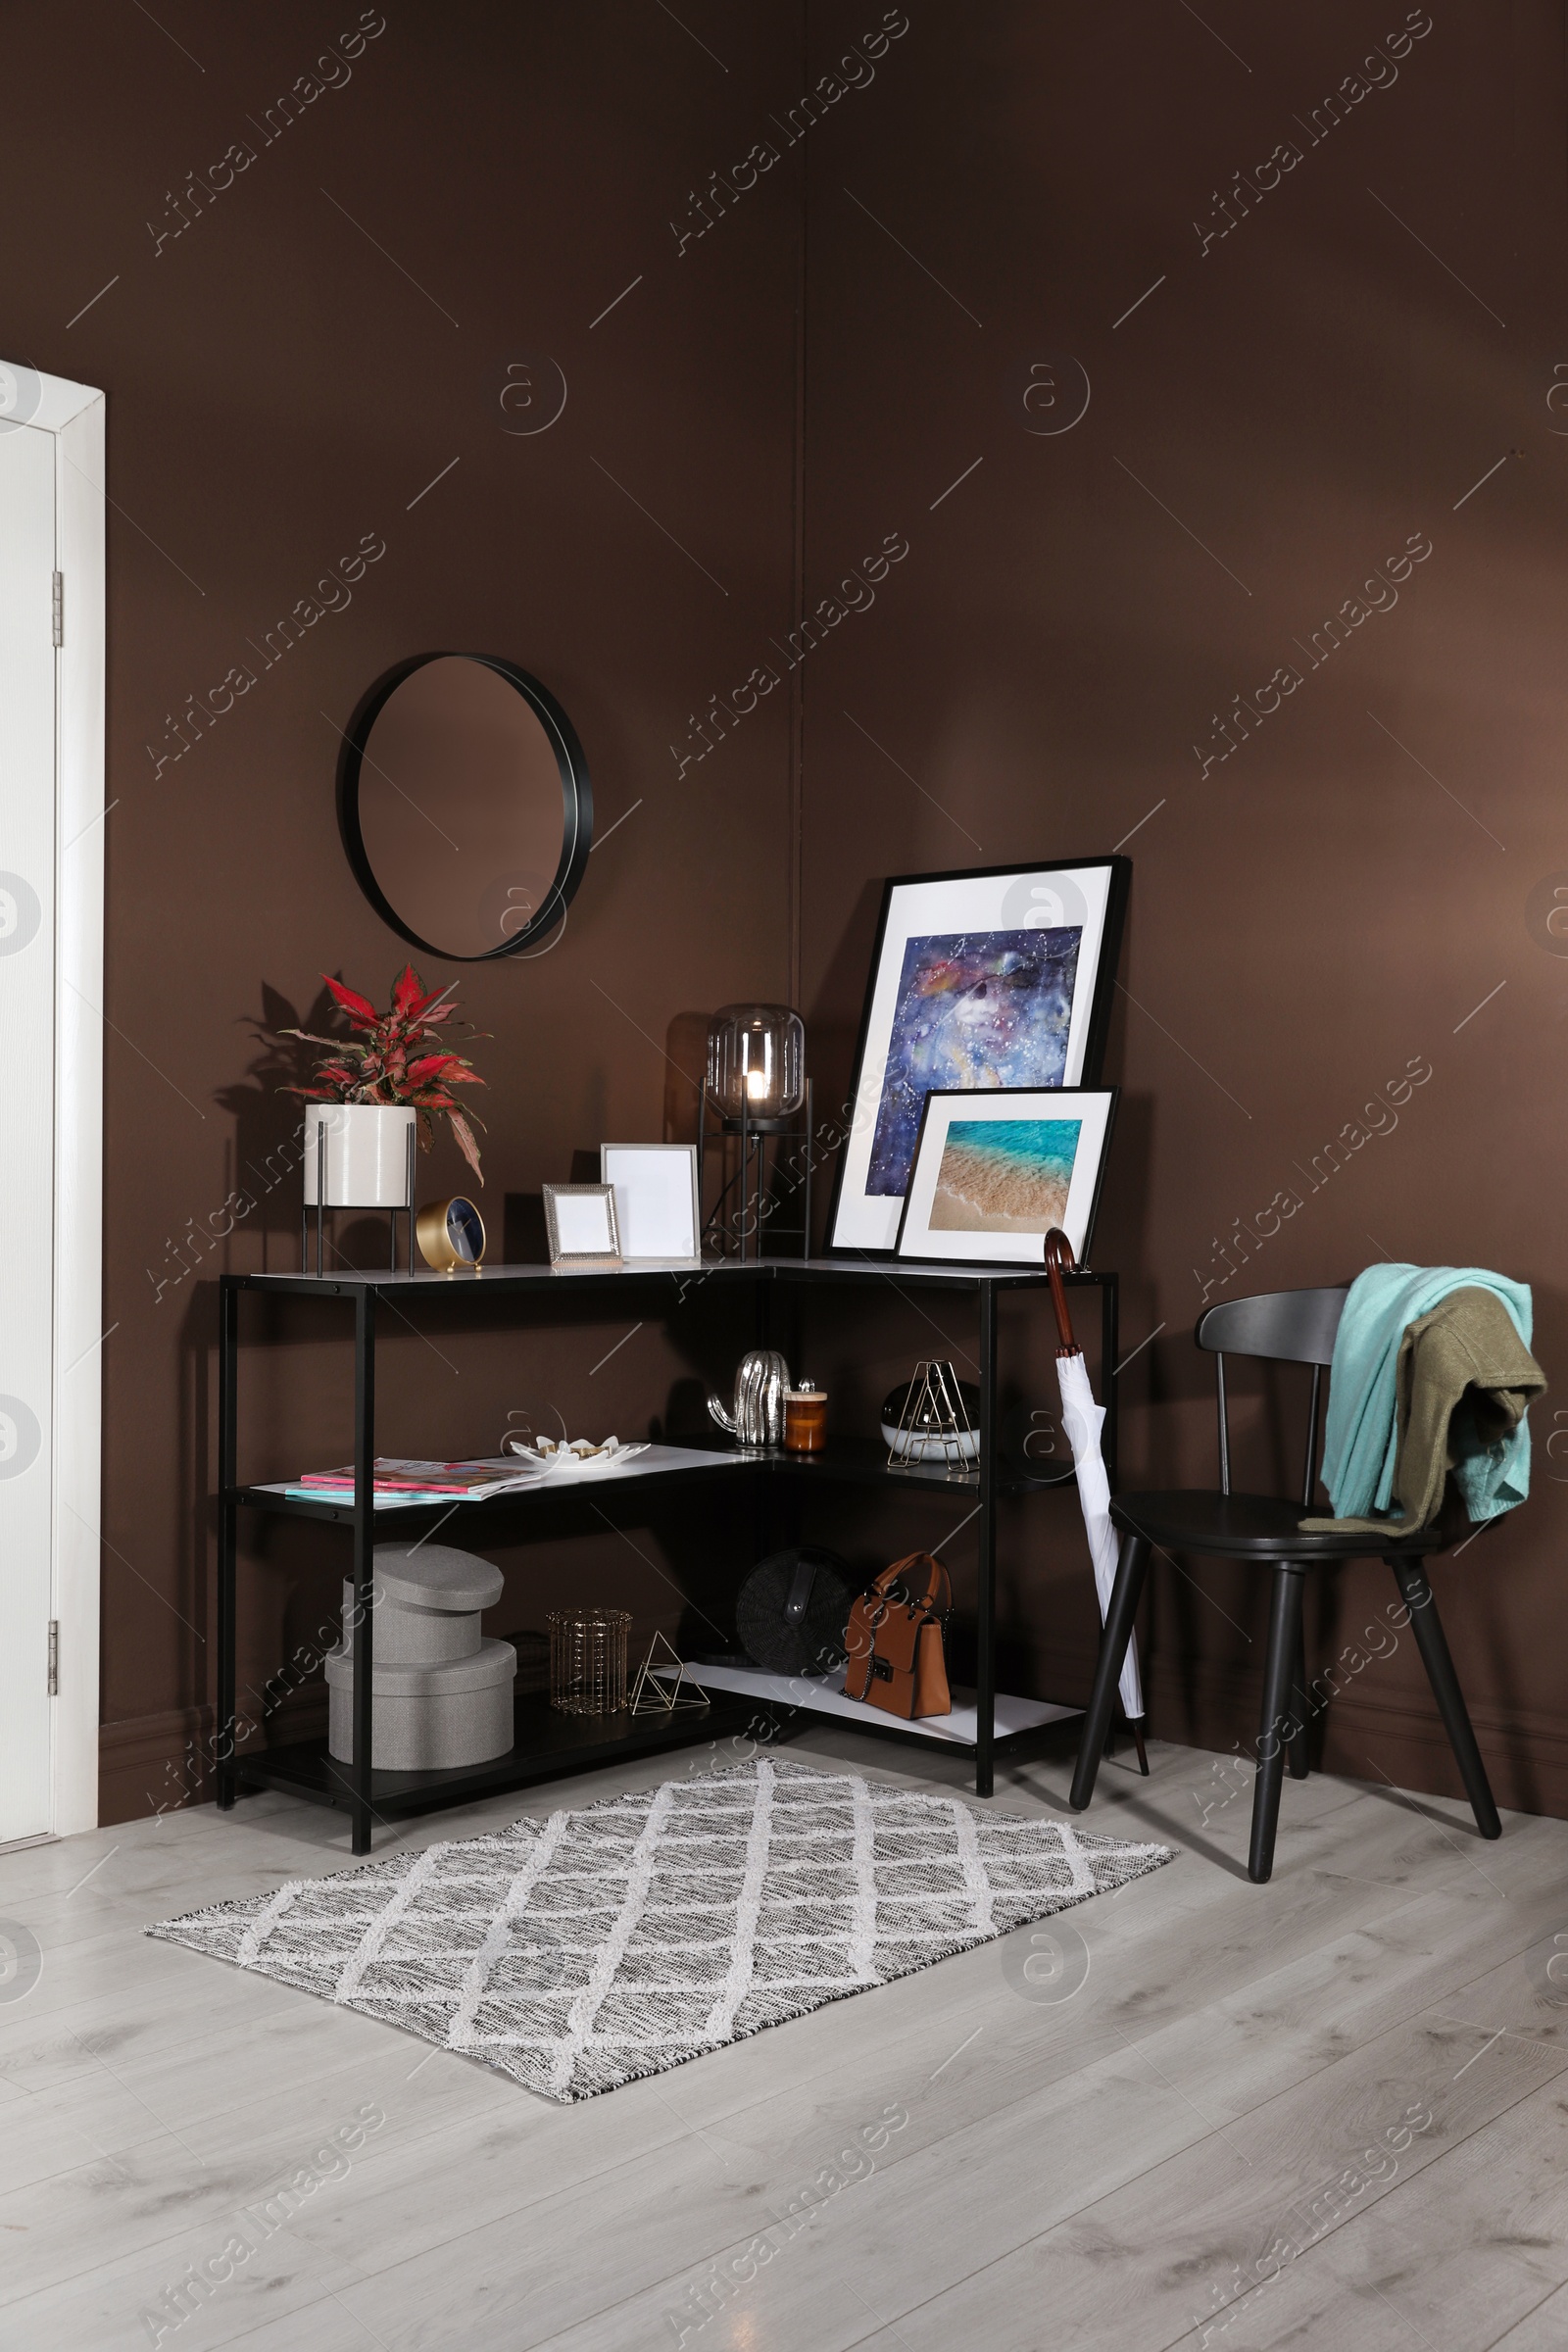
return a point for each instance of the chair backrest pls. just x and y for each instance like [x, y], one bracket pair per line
[1291, 1327]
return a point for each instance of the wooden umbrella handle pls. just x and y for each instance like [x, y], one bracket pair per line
[1059, 1257]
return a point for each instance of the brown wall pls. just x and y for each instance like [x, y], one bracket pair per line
[1324, 907]
[278, 386]
[1309, 918]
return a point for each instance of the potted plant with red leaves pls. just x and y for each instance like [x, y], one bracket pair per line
[394, 1072]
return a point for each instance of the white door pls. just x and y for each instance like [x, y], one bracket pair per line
[28, 1021]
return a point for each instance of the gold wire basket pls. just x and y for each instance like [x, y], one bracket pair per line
[588, 1660]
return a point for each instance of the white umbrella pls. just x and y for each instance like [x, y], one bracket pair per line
[1082, 1419]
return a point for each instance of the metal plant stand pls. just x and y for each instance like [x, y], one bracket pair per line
[321, 1204]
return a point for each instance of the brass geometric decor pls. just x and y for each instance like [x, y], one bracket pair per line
[652, 1694]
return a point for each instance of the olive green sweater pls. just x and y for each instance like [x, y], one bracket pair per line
[1463, 1381]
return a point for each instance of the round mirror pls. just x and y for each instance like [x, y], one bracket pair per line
[465, 804]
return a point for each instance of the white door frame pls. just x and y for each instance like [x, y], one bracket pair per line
[73, 414]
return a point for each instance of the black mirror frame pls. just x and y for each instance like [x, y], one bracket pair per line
[576, 791]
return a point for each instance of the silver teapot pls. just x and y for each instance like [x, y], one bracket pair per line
[757, 1418]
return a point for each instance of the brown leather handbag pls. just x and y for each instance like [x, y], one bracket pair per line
[894, 1640]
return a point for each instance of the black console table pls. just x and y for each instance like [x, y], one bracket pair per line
[549, 1744]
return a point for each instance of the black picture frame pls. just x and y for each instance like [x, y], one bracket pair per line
[1117, 871]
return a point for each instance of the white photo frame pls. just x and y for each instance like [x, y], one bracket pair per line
[580, 1221]
[657, 1207]
[996, 977]
[994, 1170]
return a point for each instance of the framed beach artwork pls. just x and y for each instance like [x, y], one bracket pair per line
[994, 1172]
[996, 978]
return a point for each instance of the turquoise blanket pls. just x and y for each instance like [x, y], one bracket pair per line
[1359, 1438]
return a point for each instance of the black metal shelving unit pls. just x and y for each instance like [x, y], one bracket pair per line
[548, 1744]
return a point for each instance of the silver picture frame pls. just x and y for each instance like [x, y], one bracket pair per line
[578, 1234]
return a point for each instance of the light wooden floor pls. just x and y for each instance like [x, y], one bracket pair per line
[1331, 2111]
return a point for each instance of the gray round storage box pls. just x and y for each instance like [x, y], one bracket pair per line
[428, 1718]
[427, 1601]
[442, 1696]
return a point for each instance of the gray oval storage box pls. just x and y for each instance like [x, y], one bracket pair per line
[428, 1718]
[435, 1576]
[428, 1599]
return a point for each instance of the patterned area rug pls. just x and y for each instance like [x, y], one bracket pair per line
[579, 1953]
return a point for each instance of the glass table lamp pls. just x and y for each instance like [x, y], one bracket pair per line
[756, 1061]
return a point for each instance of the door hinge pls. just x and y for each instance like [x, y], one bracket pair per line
[58, 608]
[53, 1628]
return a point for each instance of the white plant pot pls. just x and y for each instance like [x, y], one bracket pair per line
[367, 1154]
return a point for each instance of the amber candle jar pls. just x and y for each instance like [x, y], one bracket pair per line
[804, 1419]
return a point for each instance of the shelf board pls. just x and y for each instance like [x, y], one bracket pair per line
[820, 1696]
[854, 1461]
[662, 1462]
[865, 1462]
[546, 1745]
[345, 1281]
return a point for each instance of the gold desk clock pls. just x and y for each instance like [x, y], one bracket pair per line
[450, 1234]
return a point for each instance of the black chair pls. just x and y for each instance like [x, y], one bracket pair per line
[1296, 1327]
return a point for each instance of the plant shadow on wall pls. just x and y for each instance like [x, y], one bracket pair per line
[266, 1111]
[266, 1153]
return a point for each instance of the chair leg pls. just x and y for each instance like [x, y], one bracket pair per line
[1131, 1570]
[1295, 1745]
[1284, 1617]
[1415, 1590]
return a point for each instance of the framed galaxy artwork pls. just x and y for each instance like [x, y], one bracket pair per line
[996, 978]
